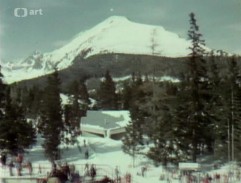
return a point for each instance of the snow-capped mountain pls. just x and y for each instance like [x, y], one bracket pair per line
[114, 35]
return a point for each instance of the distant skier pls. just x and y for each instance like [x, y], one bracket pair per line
[75, 177]
[86, 154]
[20, 158]
[18, 168]
[10, 166]
[143, 170]
[117, 172]
[30, 167]
[86, 170]
[3, 159]
[65, 169]
[92, 172]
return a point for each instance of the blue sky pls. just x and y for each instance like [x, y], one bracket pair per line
[61, 20]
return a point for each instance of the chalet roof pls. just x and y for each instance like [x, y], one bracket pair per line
[106, 119]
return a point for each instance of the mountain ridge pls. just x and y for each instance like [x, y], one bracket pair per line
[114, 35]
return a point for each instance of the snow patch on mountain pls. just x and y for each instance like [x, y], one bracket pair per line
[114, 35]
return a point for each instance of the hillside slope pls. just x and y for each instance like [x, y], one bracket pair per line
[114, 35]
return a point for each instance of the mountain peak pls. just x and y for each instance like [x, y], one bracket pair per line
[115, 34]
[115, 19]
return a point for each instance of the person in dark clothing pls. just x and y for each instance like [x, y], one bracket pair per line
[30, 167]
[62, 176]
[106, 180]
[3, 159]
[10, 166]
[65, 169]
[75, 177]
[117, 172]
[86, 170]
[86, 154]
[92, 171]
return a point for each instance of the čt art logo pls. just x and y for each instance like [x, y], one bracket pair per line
[24, 12]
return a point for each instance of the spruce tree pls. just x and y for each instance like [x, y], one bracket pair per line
[218, 131]
[197, 87]
[51, 125]
[232, 99]
[84, 95]
[126, 96]
[131, 140]
[2, 94]
[15, 132]
[165, 148]
[73, 112]
[33, 99]
[107, 97]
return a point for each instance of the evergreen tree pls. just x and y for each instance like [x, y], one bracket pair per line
[131, 140]
[84, 95]
[232, 98]
[165, 147]
[126, 96]
[15, 132]
[107, 97]
[2, 94]
[51, 125]
[197, 86]
[218, 131]
[33, 99]
[79, 100]
[71, 124]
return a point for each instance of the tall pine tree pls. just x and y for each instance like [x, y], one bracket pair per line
[217, 108]
[51, 125]
[198, 89]
[165, 145]
[232, 98]
[15, 132]
[107, 97]
[2, 94]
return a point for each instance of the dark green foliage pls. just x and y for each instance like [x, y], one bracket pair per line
[217, 108]
[126, 96]
[2, 94]
[51, 125]
[196, 85]
[131, 141]
[15, 132]
[163, 134]
[79, 89]
[33, 101]
[79, 100]
[107, 97]
[84, 95]
[232, 99]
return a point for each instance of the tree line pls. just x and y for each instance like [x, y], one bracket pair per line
[197, 116]
[177, 121]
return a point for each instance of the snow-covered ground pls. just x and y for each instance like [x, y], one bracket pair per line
[105, 153]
